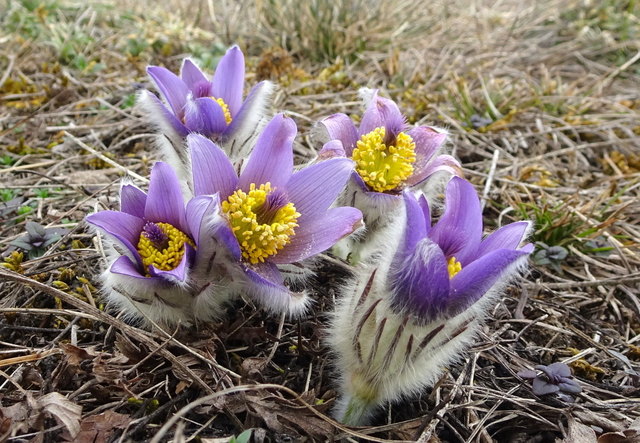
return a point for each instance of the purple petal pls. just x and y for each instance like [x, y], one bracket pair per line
[204, 115]
[556, 370]
[507, 237]
[541, 387]
[132, 200]
[442, 163]
[191, 74]
[415, 225]
[228, 81]
[197, 209]
[478, 277]
[124, 266]
[178, 274]
[165, 203]
[420, 281]
[381, 201]
[272, 157]
[171, 87]
[527, 373]
[426, 211]
[124, 227]
[570, 386]
[156, 108]
[340, 127]
[265, 286]
[239, 139]
[313, 189]
[382, 112]
[212, 171]
[331, 149]
[428, 142]
[319, 234]
[210, 229]
[459, 230]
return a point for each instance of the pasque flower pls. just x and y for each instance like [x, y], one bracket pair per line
[407, 316]
[213, 108]
[161, 252]
[274, 216]
[390, 156]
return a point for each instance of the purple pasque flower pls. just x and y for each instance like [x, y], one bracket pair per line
[160, 251]
[213, 108]
[389, 155]
[416, 307]
[554, 378]
[441, 270]
[273, 215]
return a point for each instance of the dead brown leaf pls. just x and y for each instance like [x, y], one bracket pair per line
[29, 413]
[630, 435]
[579, 433]
[99, 428]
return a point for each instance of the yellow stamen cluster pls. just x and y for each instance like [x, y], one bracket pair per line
[225, 108]
[453, 266]
[169, 257]
[259, 239]
[384, 167]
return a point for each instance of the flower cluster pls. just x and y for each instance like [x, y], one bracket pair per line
[237, 234]
[229, 215]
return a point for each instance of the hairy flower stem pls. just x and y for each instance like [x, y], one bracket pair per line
[355, 407]
[356, 411]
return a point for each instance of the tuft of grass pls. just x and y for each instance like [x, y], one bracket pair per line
[322, 30]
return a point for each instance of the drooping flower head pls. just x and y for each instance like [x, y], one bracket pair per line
[406, 316]
[213, 108]
[390, 156]
[443, 269]
[275, 216]
[160, 248]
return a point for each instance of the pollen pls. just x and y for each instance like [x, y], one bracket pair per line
[162, 245]
[225, 108]
[262, 225]
[453, 266]
[384, 166]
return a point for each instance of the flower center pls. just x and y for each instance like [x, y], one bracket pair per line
[162, 245]
[384, 166]
[453, 266]
[263, 221]
[225, 108]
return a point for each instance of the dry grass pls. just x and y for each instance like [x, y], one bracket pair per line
[543, 107]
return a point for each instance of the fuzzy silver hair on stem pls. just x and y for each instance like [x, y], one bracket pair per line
[402, 320]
